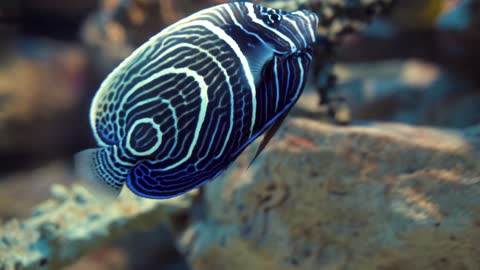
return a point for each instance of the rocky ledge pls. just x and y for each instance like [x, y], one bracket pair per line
[367, 196]
[372, 196]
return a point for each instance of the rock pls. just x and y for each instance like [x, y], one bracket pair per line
[373, 196]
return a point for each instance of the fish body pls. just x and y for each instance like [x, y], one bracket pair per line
[180, 109]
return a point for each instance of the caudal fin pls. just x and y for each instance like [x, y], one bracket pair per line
[98, 174]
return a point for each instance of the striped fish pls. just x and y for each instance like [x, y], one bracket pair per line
[182, 107]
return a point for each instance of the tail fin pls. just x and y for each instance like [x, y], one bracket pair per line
[98, 173]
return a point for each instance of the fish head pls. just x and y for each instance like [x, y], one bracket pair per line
[287, 33]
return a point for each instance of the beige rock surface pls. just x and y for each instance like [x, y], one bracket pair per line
[377, 196]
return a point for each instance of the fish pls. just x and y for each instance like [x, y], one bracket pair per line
[180, 109]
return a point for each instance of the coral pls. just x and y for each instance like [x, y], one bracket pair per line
[73, 222]
[337, 17]
[379, 196]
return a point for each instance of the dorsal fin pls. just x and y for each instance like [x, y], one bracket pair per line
[269, 134]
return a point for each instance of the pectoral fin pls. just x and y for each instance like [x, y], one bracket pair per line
[269, 134]
[99, 177]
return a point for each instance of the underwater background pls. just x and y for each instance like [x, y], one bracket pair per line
[376, 167]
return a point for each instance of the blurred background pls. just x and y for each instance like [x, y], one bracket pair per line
[417, 64]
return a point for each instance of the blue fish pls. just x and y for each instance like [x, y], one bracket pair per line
[182, 107]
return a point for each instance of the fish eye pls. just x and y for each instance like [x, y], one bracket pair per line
[271, 16]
